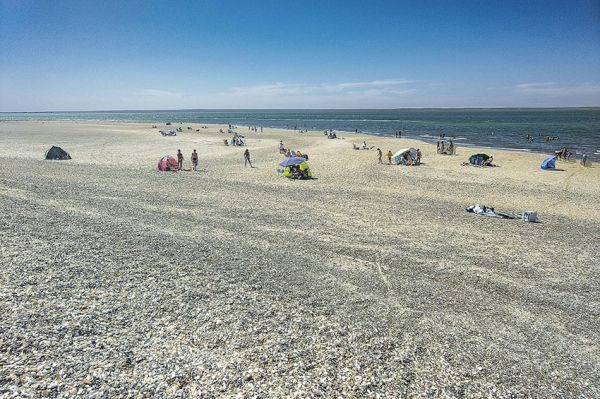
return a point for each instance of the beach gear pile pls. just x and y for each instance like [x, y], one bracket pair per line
[405, 156]
[57, 154]
[166, 133]
[295, 168]
[167, 164]
[483, 210]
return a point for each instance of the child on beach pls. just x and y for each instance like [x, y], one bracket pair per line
[179, 160]
[379, 154]
[247, 158]
[389, 155]
[195, 160]
[418, 162]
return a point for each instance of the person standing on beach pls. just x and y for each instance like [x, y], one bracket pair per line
[389, 155]
[584, 160]
[179, 160]
[247, 158]
[195, 160]
[379, 154]
[418, 161]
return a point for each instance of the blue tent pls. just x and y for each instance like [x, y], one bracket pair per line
[549, 163]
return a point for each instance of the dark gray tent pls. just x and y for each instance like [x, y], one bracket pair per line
[478, 159]
[57, 153]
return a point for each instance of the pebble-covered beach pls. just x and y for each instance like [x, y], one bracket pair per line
[117, 280]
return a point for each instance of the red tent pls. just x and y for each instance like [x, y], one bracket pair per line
[167, 163]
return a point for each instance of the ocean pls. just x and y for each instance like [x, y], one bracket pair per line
[527, 129]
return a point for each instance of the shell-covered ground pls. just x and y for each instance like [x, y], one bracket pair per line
[117, 280]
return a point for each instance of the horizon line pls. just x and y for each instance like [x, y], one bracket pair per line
[593, 107]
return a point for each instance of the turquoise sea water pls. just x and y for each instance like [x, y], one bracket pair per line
[578, 129]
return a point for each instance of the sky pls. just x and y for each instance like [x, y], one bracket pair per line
[132, 55]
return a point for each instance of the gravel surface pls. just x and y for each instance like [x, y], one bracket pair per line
[371, 281]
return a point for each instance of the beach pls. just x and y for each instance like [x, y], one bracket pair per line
[118, 280]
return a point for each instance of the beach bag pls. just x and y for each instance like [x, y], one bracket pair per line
[530, 216]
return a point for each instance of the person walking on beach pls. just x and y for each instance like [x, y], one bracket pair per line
[247, 158]
[195, 160]
[179, 160]
[379, 154]
[389, 155]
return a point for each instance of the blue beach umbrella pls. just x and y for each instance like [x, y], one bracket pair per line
[292, 161]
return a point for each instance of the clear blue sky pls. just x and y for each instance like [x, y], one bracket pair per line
[106, 55]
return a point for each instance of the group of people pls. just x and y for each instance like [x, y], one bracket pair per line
[289, 152]
[363, 146]
[193, 158]
[255, 129]
[237, 140]
[529, 138]
[398, 134]
[300, 171]
[445, 148]
[563, 154]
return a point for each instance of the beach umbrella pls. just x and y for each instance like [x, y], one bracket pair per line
[167, 163]
[549, 163]
[397, 157]
[292, 161]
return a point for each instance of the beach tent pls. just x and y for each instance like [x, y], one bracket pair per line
[549, 163]
[478, 159]
[397, 157]
[167, 163]
[57, 153]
